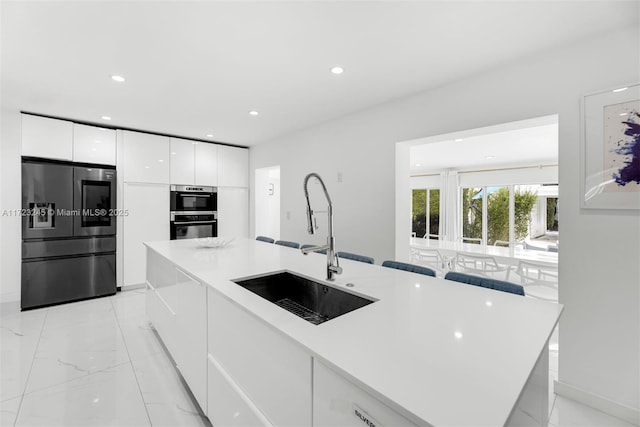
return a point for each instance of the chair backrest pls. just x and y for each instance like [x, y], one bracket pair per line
[355, 257]
[428, 256]
[265, 239]
[287, 243]
[409, 267]
[485, 282]
[484, 265]
[533, 273]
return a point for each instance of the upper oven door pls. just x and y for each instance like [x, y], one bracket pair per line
[193, 199]
[94, 200]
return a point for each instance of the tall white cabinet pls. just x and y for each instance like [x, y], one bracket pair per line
[145, 172]
[233, 191]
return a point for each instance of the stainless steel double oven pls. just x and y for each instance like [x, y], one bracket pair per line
[68, 232]
[193, 212]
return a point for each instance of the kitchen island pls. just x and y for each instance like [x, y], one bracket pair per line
[426, 352]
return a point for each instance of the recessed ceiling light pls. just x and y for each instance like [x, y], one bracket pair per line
[117, 78]
[418, 164]
[623, 114]
[459, 139]
[173, 153]
[253, 113]
[621, 89]
[209, 135]
[337, 70]
[489, 157]
[106, 118]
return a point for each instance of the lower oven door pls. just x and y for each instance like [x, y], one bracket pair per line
[193, 229]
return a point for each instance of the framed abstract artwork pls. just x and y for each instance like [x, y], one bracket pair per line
[611, 148]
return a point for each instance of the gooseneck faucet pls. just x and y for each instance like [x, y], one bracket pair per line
[332, 269]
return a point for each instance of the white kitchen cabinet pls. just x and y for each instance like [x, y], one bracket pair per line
[233, 212]
[193, 162]
[273, 372]
[146, 158]
[233, 166]
[183, 157]
[228, 404]
[177, 307]
[147, 219]
[206, 164]
[48, 138]
[338, 402]
[92, 144]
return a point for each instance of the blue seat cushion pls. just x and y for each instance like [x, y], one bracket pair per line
[409, 267]
[355, 257]
[485, 282]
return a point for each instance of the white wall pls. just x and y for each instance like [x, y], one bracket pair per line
[267, 202]
[600, 329]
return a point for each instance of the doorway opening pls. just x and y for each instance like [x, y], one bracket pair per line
[267, 202]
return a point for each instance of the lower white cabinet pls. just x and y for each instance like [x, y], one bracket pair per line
[273, 372]
[233, 212]
[228, 404]
[177, 307]
[146, 220]
[338, 402]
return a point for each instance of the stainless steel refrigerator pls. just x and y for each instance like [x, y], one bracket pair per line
[68, 232]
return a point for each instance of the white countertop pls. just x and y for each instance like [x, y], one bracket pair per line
[437, 351]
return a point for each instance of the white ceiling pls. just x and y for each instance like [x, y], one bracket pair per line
[195, 68]
[531, 145]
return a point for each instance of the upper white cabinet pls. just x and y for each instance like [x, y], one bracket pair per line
[49, 138]
[207, 164]
[233, 166]
[183, 157]
[93, 144]
[146, 158]
[193, 162]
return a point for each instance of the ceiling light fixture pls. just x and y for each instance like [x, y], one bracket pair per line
[209, 135]
[418, 164]
[117, 78]
[337, 70]
[459, 139]
[106, 118]
[621, 89]
[489, 157]
[253, 113]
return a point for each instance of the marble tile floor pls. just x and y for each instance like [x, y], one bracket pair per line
[98, 362]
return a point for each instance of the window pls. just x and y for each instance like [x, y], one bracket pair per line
[426, 213]
[500, 228]
[472, 207]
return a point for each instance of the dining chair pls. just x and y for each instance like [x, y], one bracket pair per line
[430, 256]
[287, 243]
[539, 280]
[409, 267]
[265, 239]
[484, 265]
[485, 282]
[355, 257]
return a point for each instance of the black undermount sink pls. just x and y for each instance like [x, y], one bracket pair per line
[314, 301]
